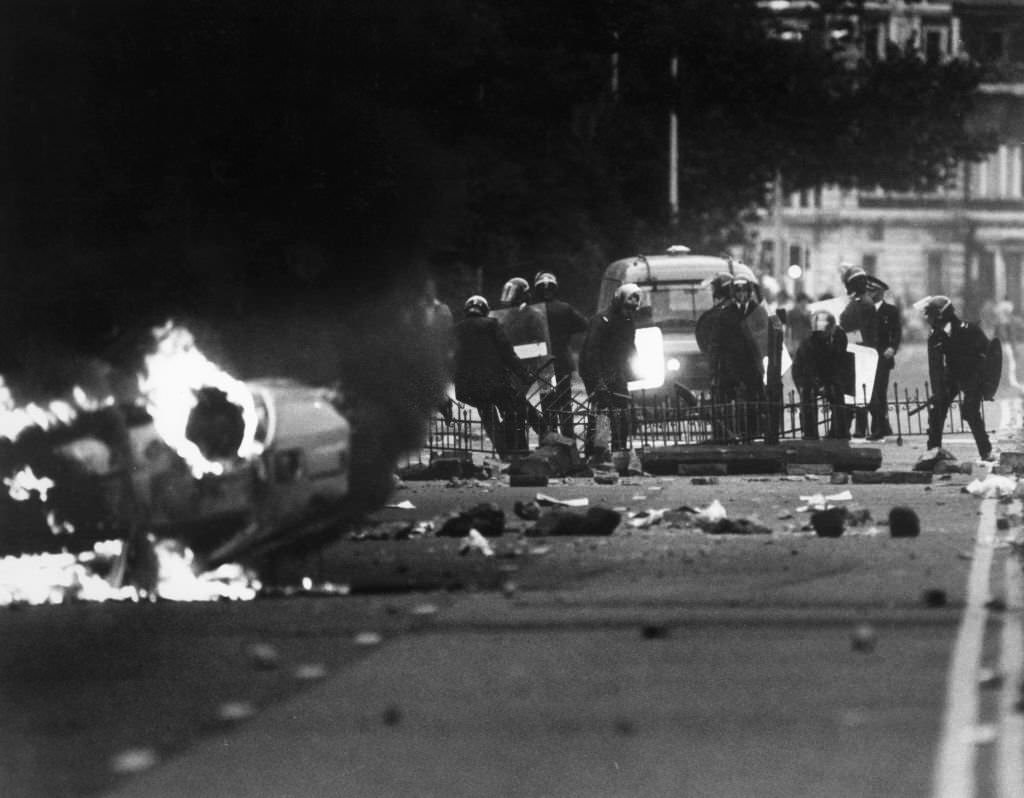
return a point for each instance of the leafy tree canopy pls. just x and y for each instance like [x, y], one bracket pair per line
[227, 154]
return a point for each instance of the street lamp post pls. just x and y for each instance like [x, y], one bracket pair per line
[673, 149]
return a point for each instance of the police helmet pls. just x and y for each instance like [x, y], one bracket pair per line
[624, 292]
[545, 284]
[515, 291]
[476, 305]
[855, 279]
[822, 321]
[936, 309]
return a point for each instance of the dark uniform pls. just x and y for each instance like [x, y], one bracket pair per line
[485, 369]
[821, 368]
[606, 366]
[737, 367]
[881, 329]
[564, 321]
[957, 351]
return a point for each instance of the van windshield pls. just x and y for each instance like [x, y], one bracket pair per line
[674, 305]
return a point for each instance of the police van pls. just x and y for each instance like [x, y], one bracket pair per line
[674, 293]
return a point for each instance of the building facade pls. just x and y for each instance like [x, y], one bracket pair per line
[965, 240]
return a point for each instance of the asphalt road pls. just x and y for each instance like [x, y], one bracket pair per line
[655, 661]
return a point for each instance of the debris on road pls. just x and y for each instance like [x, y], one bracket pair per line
[544, 500]
[994, 486]
[556, 456]
[830, 522]
[402, 505]
[646, 518]
[488, 519]
[864, 638]
[133, 760]
[934, 597]
[474, 541]
[890, 477]
[235, 711]
[819, 501]
[930, 459]
[528, 511]
[714, 521]
[561, 521]
[309, 672]
[393, 530]
[904, 523]
[367, 639]
[263, 656]
[446, 465]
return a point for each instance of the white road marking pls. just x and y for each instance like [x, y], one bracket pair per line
[955, 761]
[1010, 751]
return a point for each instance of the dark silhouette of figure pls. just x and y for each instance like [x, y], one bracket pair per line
[881, 328]
[822, 369]
[957, 351]
[564, 322]
[606, 367]
[486, 368]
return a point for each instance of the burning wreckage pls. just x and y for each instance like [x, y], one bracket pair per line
[194, 472]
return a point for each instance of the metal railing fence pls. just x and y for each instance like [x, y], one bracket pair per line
[656, 421]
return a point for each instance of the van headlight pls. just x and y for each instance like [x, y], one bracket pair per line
[672, 364]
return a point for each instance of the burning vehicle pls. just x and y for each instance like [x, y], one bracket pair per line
[224, 467]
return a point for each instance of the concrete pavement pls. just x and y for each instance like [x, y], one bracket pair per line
[627, 685]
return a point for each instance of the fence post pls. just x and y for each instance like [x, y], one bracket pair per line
[774, 386]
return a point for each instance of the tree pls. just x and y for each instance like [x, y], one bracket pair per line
[306, 148]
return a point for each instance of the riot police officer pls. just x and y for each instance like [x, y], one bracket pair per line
[957, 354]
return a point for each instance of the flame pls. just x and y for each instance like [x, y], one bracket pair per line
[60, 578]
[15, 419]
[21, 485]
[173, 374]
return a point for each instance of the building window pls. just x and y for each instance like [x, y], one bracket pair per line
[936, 273]
[876, 231]
[796, 254]
[869, 263]
[1000, 175]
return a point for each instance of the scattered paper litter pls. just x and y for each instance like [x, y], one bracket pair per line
[543, 498]
[993, 486]
[474, 541]
[713, 512]
[133, 760]
[819, 501]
